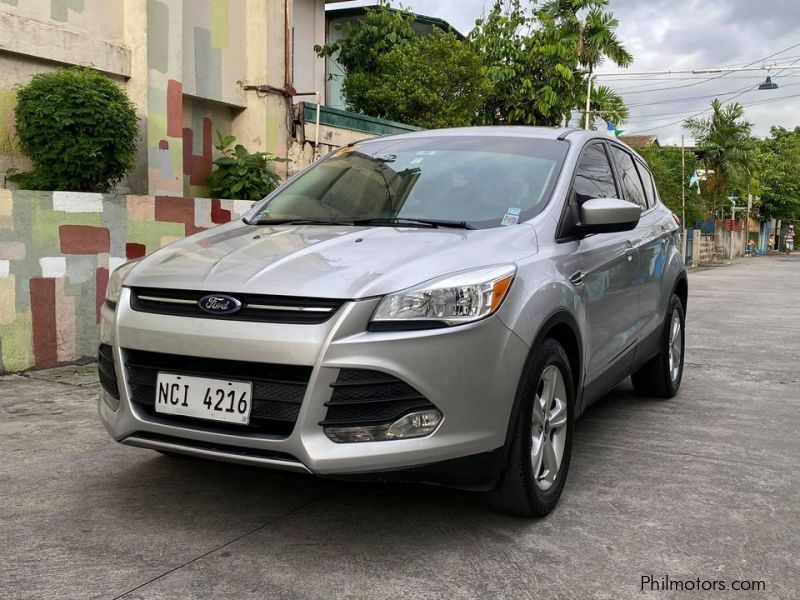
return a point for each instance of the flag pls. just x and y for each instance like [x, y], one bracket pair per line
[694, 180]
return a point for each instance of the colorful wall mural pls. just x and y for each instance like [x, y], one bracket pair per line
[56, 252]
[194, 65]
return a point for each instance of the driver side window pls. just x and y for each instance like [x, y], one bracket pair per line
[593, 177]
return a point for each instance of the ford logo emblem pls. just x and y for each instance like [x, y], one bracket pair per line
[219, 304]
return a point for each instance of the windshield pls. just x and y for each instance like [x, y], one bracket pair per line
[477, 182]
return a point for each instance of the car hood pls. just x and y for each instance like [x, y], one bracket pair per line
[325, 261]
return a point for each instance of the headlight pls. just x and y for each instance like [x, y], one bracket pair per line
[451, 300]
[114, 288]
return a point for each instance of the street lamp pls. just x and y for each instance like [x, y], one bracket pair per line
[768, 84]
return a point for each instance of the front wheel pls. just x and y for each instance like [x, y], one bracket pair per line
[541, 445]
[661, 376]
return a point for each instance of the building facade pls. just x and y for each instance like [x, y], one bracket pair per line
[192, 68]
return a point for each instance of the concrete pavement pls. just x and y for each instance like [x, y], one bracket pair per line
[702, 486]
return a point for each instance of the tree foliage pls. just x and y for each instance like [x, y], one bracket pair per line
[78, 128]
[437, 81]
[238, 174]
[593, 28]
[532, 66]
[523, 63]
[428, 81]
[777, 164]
[672, 179]
[724, 140]
[605, 104]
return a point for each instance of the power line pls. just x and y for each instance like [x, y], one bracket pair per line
[729, 99]
[642, 91]
[744, 105]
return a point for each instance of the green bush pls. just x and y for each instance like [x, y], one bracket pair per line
[237, 174]
[78, 128]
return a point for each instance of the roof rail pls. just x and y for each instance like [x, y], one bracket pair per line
[563, 135]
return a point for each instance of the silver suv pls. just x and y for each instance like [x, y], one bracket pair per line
[436, 307]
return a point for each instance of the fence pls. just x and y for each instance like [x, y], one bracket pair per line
[56, 252]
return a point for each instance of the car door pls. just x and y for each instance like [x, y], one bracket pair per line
[654, 229]
[610, 264]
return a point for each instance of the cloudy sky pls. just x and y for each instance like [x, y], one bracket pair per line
[680, 35]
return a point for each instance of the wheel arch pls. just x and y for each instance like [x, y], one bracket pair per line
[681, 289]
[562, 327]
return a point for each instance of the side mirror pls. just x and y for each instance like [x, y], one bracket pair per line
[607, 215]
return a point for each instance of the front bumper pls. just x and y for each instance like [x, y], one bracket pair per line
[469, 372]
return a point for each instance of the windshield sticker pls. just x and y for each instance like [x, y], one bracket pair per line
[427, 152]
[511, 217]
[417, 161]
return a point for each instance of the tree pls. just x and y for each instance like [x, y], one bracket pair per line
[78, 128]
[777, 161]
[596, 39]
[672, 180]
[727, 148]
[436, 81]
[595, 33]
[429, 81]
[532, 66]
[605, 104]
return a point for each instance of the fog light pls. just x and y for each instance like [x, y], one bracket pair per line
[412, 425]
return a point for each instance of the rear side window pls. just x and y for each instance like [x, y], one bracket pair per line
[649, 184]
[593, 177]
[631, 183]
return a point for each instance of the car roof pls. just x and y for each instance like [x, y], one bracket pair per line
[516, 131]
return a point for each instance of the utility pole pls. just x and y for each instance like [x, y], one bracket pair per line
[683, 197]
[588, 103]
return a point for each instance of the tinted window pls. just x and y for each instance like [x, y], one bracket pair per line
[593, 177]
[631, 184]
[484, 181]
[649, 184]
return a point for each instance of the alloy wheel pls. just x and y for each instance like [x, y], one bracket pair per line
[675, 345]
[549, 427]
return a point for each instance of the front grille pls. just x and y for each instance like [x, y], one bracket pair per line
[255, 307]
[105, 370]
[362, 397]
[278, 390]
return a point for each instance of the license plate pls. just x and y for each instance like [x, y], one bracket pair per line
[204, 398]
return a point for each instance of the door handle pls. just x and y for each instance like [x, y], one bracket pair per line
[576, 278]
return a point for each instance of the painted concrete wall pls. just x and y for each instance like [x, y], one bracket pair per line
[308, 29]
[56, 252]
[184, 64]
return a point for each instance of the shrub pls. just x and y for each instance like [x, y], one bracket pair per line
[78, 128]
[240, 175]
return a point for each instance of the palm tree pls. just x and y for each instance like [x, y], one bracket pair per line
[607, 105]
[724, 140]
[595, 34]
[596, 40]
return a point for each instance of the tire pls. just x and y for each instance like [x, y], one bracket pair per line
[661, 376]
[527, 486]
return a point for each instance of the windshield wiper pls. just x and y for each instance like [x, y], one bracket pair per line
[298, 222]
[399, 222]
